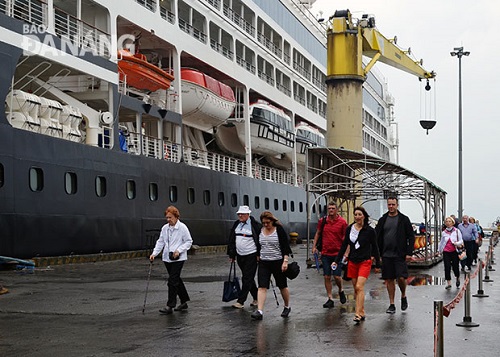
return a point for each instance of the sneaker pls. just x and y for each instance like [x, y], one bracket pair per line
[257, 315]
[4, 291]
[343, 299]
[328, 304]
[286, 312]
[237, 305]
[391, 309]
[458, 283]
[404, 303]
[254, 303]
[181, 307]
[166, 310]
[448, 287]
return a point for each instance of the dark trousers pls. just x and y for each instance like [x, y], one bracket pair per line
[175, 284]
[469, 249]
[248, 266]
[450, 260]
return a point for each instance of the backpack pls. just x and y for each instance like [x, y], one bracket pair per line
[319, 243]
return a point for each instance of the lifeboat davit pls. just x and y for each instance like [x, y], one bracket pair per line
[306, 136]
[206, 102]
[137, 72]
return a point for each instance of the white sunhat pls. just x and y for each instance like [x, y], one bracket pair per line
[244, 210]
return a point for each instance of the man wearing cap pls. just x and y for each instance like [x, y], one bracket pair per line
[244, 246]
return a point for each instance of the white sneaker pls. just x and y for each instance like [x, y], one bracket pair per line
[237, 305]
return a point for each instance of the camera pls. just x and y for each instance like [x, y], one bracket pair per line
[171, 256]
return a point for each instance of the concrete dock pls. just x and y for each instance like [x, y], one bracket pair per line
[95, 309]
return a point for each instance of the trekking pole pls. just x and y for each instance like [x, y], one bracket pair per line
[274, 291]
[147, 286]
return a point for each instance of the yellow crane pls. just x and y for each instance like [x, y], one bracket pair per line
[348, 41]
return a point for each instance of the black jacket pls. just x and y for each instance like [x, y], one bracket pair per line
[405, 233]
[231, 245]
[368, 247]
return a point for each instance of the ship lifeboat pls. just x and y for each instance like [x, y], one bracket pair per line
[137, 72]
[271, 132]
[306, 136]
[206, 102]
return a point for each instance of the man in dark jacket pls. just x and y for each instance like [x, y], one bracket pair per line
[244, 246]
[396, 238]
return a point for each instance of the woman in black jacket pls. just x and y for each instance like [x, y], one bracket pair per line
[273, 260]
[362, 242]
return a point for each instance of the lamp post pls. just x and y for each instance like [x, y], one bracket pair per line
[459, 52]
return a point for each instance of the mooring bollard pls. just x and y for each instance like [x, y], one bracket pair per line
[439, 333]
[480, 291]
[467, 320]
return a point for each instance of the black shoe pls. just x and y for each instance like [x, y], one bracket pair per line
[256, 315]
[404, 303]
[448, 287]
[458, 283]
[391, 309]
[182, 306]
[286, 312]
[328, 304]
[343, 299]
[166, 310]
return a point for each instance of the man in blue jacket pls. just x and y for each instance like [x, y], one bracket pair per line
[396, 238]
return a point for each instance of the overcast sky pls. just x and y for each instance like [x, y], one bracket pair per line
[432, 29]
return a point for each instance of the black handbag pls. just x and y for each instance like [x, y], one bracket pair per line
[293, 270]
[231, 286]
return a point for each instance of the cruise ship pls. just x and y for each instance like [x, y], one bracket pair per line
[115, 110]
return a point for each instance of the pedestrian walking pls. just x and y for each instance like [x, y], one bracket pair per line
[327, 241]
[175, 241]
[395, 238]
[362, 242]
[244, 247]
[451, 239]
[469, 236]
[273, 260]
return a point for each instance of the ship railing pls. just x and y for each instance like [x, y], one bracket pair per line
[221, 49]
[286, 58]
[269, 44]
[148, 4]
[313, 107]
[167, 15]
[265, 77]
[32, 11]
[299, 99]
[302, 70]
[82, 34]
[214, 3]
[197, 34]
[284, 89]
[319, 83]
[238, 20]
[245, 64]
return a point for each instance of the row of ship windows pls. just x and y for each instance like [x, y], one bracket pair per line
[36, 184]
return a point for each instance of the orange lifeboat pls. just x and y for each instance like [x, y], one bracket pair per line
[140, 74]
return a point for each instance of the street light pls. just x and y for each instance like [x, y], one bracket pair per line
[459, 52]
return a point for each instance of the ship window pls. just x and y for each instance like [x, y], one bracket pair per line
[36, 179]
[234, 200]
[70, 183]
[301, 207]
[131, 192]
[153, 191]
[292, 206]
[266, 203]
[276, 204]
[2, 175]
[221, 199]
[246, 200]
[100, 186]
[190, 195]
[206, 197]
[172, 193]
[284, 206]
[257, 202]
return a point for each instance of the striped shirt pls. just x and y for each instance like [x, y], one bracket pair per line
[270, 246]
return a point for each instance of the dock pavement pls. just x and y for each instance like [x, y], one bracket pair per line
[96, 309]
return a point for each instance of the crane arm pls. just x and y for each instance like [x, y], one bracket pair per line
[379, 48]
